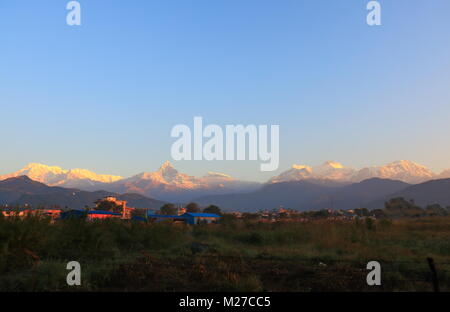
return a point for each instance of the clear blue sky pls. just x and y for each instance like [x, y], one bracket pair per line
[105, 95]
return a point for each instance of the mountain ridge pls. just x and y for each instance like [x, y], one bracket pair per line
[299, 195]
[167, 183]
[23, 191]
[402, 170]
[56, 176]
[306, 195]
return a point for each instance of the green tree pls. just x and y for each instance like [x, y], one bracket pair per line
[362, 212]
[436, 210]
[106, 205]
[168, 209]
[212, 209]
[192, 207]
[248, 216]
[399, 207]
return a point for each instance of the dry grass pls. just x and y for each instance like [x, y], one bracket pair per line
[242, 256]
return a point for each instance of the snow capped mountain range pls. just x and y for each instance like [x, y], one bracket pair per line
[56, 176]
[403, 170]
[169, 178]
[167, 183]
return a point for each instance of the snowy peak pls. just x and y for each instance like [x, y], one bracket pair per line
[332, 165]
[406, 165]
[296, 173]
[38, 171]
[168, 183]
[168, 172]
[56, 176]
[402, 170]
[79, 174]
[333, 171]
[444, 174]
[41, 167]
[166, 166]
[329, 170]
[302, 167]
[168, 176]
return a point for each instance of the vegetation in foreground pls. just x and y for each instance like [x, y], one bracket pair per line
[236, 255]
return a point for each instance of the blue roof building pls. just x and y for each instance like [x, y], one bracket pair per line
[197, 218]
[189, 218]
[92, 214]
[73, 214]
[160, 218]
[138, 218]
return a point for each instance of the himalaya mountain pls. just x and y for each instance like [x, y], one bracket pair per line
[403, 170]
[329, 171]
[56, 176]
[332, 186]
[307, 195]
[24, 191]
[300, 195]
[167, 183]
[444, 175]
[423, 194]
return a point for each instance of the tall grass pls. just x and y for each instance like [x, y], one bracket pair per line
[117, 255]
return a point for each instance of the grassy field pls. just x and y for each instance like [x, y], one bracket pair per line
[233, 256]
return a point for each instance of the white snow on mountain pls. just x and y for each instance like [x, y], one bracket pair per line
[296, 173]
[444, 174]
[168, 177]
[333, 171]
[163, 182]
[167, 181]
[403, 170]
[56, 176]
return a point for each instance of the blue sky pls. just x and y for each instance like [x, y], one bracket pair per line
[104, 96]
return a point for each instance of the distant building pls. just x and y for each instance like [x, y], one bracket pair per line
[98, 214]
[26, 212]
[115, 205]
[160, 218]
[188, 218]
[197, 218]
[14, 212]
[237, 215]
[90, 215]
